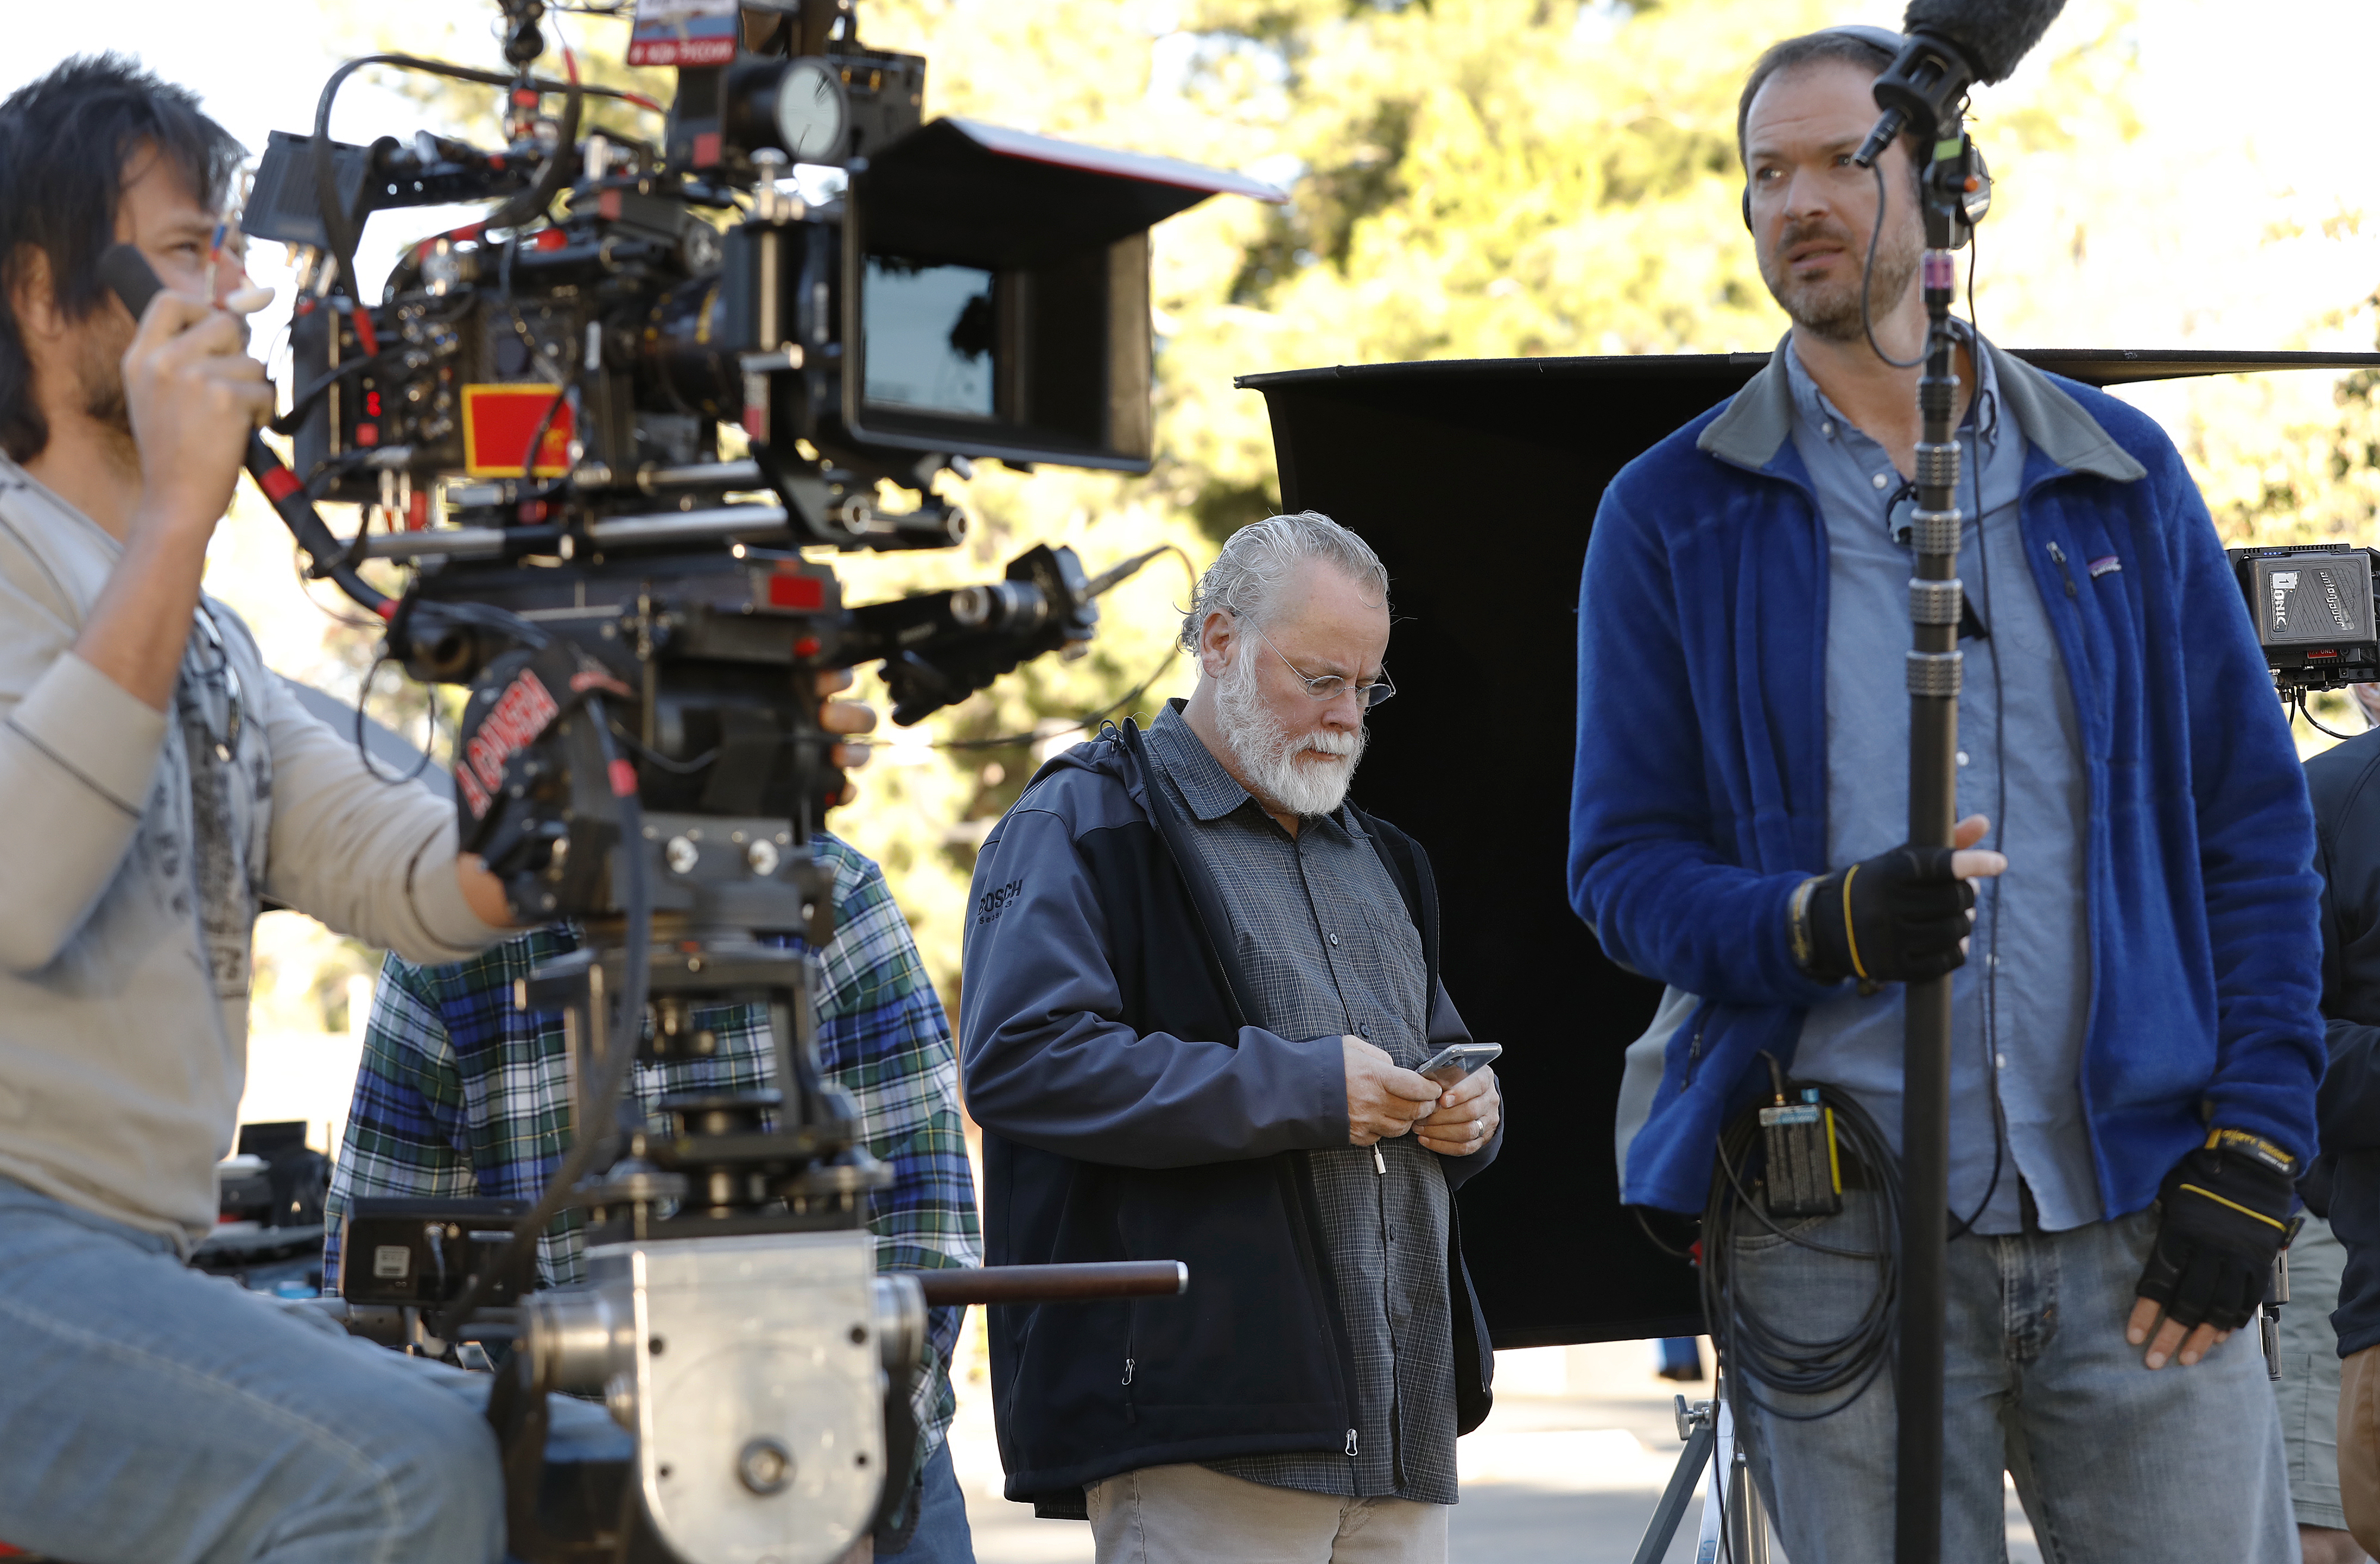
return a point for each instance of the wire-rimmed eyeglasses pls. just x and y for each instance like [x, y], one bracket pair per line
[1330, 686]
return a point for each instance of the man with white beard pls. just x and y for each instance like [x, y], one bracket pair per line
[1197, 981]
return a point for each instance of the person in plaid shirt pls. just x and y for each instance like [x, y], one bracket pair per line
[459, 1094]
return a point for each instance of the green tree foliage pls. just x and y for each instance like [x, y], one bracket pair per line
[1467, 179]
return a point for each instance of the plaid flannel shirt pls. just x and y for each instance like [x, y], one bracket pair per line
[460, 1095]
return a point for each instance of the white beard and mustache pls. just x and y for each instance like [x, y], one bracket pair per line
[1267, 755]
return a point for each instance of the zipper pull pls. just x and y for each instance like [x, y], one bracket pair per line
[1379, 1164]
[1127, 1371]
[2059, 555]
[1351, 1441]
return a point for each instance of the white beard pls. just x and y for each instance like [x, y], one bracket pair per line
[1268, 757]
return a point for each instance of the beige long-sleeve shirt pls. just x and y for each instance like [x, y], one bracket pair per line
[135, 846]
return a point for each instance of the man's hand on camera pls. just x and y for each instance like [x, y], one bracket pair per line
[1897, 916]
[193, 395]
[482, 891]
[849, 718]
[1465, 1116]
[1382, 1100]
[2223, 1215]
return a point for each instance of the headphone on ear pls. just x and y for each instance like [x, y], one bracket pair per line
[1882, 38]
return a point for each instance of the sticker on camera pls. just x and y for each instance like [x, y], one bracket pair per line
[684, 32]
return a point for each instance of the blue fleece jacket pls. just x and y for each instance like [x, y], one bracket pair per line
[1699, 798]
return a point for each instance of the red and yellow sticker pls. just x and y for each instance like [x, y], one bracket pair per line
[498, 421]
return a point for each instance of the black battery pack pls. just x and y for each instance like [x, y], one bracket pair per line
[1805, 1176]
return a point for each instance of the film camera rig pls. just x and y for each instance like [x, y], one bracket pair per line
[531, 415]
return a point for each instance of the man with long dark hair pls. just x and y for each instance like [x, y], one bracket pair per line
[155, 784]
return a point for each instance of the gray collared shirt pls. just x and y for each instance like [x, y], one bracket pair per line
[2020, 1004]
[1326, 947]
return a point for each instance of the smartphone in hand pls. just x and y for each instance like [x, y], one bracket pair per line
[1450, 1064]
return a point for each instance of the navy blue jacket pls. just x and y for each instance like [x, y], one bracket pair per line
[2345, 1183]
[1132, 1111]
[1700, 797]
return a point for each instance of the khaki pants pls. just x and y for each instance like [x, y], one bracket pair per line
[1190, 1515]
[2359, 1447]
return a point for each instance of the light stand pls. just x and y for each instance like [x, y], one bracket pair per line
[1735, 1524]
[1934, 606]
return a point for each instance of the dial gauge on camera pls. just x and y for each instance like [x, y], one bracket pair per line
[811, 111]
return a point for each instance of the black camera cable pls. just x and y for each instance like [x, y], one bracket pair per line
[516, 1258]
[2297, 701]
[340, 229]
[562, 372]
[363, 750]
[1867, 277]
[1754, 1349]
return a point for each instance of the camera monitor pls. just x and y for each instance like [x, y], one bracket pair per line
[996, 294]
[2314, 612]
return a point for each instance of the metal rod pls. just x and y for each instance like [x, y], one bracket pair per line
[1747, 1519]
[1055, 1284]
[1655, 1546]
[1934, 671]
[694, 475]
[452, 542]
[715, 523]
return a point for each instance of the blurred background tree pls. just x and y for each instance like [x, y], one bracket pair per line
[1471, 179]
[1467, 179]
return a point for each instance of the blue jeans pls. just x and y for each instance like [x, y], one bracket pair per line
[942, 1536]
[2112, 1461]
[151, 1415]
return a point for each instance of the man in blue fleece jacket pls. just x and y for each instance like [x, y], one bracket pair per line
[2135, 1040]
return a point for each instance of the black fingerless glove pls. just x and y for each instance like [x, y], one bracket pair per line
[2225, 1213]
[1907, 912]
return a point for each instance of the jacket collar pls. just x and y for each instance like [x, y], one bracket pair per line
[1759, 420]
[1207, 788]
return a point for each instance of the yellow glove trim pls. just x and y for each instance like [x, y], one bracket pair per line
[2254, 1146]
[2237, 1206]
[1851, 938]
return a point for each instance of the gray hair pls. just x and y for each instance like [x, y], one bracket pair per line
[1259, 557]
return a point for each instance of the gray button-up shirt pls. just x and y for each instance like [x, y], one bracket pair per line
[2020, 1004]
[1327, 948]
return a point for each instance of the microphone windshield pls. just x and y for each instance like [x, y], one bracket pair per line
[1992, 34]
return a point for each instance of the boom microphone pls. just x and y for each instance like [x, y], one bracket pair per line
[1952, 46]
